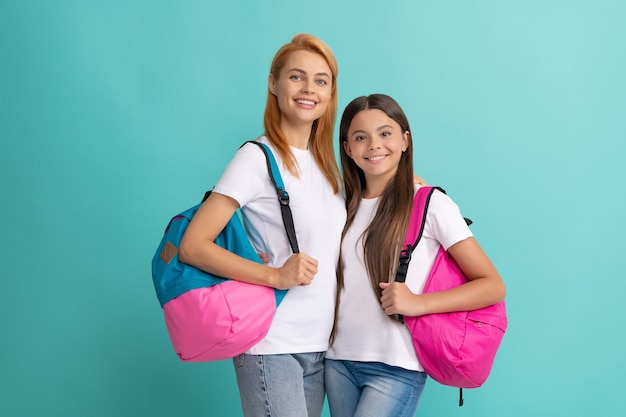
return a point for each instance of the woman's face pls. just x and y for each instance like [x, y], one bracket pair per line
[303, 89]
[375, 142]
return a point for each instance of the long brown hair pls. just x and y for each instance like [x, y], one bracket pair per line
[321, 139]
[384, 237]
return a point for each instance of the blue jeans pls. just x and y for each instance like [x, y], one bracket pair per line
[290, 385]
[372, 389]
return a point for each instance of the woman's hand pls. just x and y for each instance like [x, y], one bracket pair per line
[419, 180]
[299, 269]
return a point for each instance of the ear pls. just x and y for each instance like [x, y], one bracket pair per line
[346, 147]
[406, 137]
[271, 84]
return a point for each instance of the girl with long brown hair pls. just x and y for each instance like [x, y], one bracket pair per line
[371, 367]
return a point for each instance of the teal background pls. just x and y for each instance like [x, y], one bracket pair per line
[115, 115]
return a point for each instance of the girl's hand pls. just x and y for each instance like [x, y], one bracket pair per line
[264, 257]
[398, 299]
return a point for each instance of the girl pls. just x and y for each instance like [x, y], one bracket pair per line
[283, 375]
[371, 367]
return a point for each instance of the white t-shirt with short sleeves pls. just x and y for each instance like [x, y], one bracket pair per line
[304, 318]
[365, 333]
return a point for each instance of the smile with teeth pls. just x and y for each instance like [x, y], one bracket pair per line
[376, 158]
[305, 102]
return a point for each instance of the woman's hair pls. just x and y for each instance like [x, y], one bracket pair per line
[384, 237]
[321, 140]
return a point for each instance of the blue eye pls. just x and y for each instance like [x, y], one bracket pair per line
[321, 82]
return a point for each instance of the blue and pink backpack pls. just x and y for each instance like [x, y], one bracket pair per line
[208, 317]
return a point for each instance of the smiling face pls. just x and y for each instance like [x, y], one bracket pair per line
[375, 142]
[303, 89]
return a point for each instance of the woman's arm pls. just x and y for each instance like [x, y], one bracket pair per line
[484, 288]
[198, 249]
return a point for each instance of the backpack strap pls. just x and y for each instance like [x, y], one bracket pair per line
[416, 228]
[283, 196]
[281, 192]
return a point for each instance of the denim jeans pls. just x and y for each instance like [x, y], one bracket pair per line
[290, 385]
[372, 389]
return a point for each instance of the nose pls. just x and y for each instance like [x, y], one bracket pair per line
[373, 144]
[308, 86]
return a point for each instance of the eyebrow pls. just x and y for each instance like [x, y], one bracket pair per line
[323, 74]
[377, 129]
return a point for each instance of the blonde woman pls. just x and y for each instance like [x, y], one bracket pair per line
[283, 375]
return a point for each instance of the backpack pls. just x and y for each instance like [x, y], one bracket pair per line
[209, 317]
[456, 349]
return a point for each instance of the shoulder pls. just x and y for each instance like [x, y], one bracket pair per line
[444, 221]
[244, 175]
[249, 157]
[439, 201]
[442, 201]
[251, 148]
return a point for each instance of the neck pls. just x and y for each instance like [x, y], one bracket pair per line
[297, 136]
[372, 192]
[375, 186]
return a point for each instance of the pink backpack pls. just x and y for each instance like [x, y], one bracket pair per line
[456, 349]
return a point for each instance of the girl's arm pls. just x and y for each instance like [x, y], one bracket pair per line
[485, 287]
[197, 248]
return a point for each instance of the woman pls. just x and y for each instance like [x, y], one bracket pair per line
[283, 375]
[371, 367]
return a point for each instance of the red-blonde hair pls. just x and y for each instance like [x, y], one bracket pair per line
[321, 139]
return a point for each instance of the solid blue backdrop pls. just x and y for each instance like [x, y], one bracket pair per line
[116, 115]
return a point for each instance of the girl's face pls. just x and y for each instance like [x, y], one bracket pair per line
[375, 142]
[303, 89]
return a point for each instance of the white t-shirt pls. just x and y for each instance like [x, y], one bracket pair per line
[304, 318]
[365, 333]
